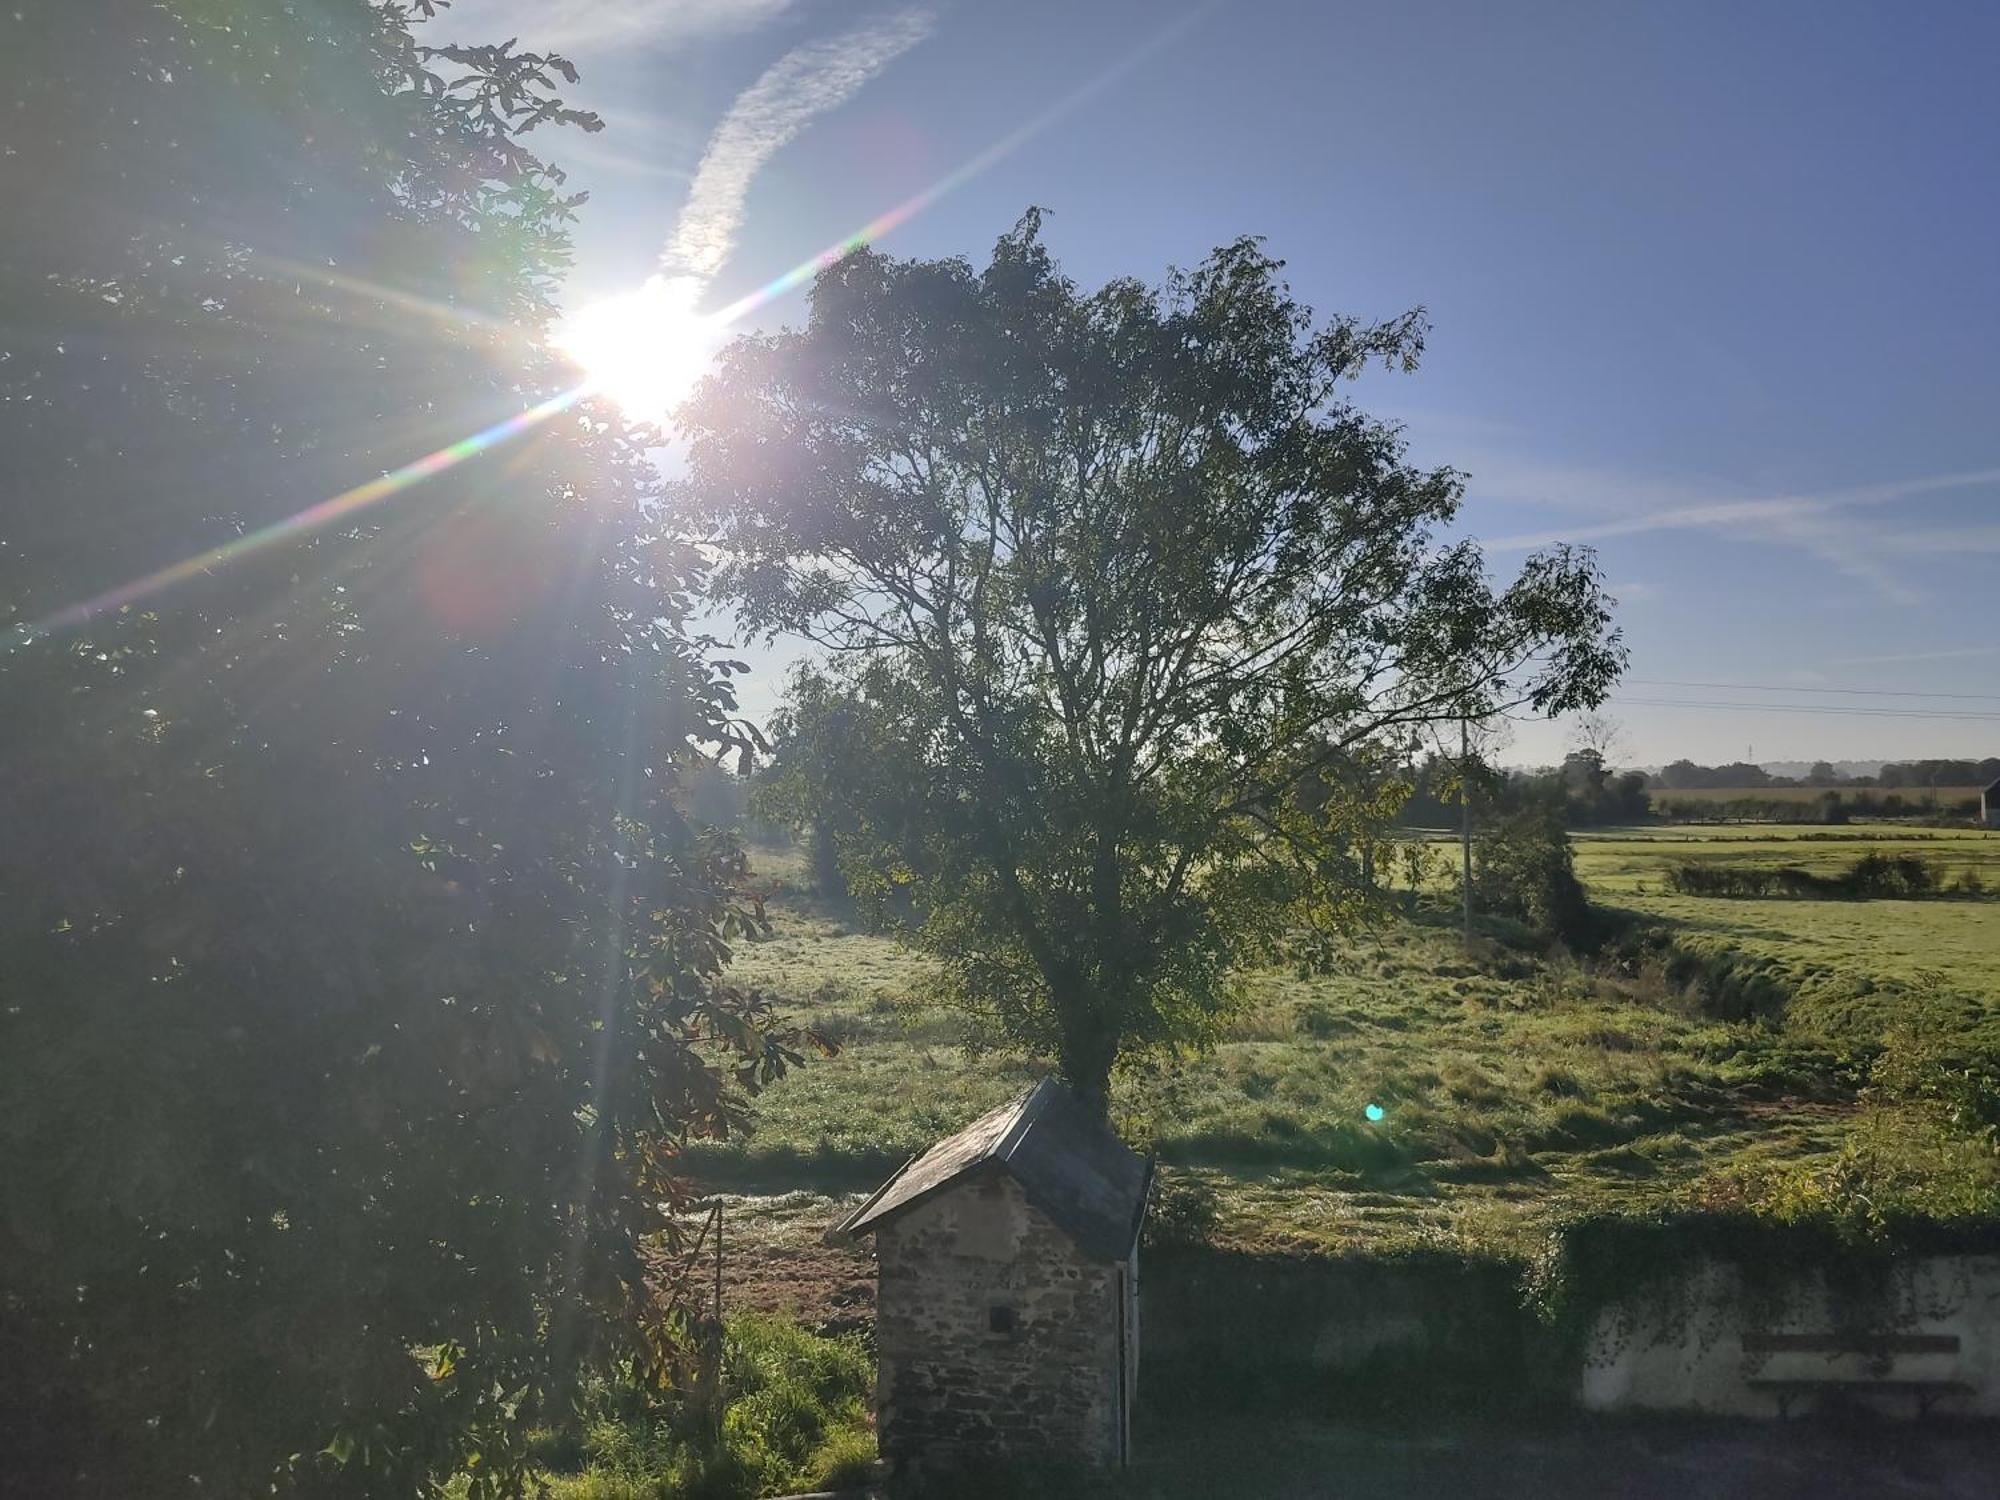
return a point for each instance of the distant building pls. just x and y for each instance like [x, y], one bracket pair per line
[1007, 1314]
[1989, 806]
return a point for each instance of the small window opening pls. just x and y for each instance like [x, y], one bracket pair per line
[1000, 1319]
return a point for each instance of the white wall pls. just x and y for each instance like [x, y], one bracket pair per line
[1683, 1350]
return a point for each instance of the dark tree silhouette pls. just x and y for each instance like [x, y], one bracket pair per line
[359, 976]
[1107, 578]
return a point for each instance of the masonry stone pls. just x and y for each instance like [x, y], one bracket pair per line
[1007, 1309]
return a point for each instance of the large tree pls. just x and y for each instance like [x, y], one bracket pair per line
[1109, 583]
[359, 972]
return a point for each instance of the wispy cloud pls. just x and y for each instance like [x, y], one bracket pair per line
[1945, 539]
[1956, 653]
[586, 25]
[804, 83]
[1816, 524]
[1721, 514]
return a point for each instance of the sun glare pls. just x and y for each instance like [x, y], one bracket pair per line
[646, 349]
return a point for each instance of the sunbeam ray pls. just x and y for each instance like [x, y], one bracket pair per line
[313, 518]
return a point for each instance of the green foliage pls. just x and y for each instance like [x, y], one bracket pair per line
[1926, 1150]
[1133, 611]
[1640, 1260]
[1872, 877]
[1838, 972]
[1524, 867]
[1725, 1037]
[795, 1419]
[1918, 1174]
[1184, 1210]
[360, 977]
[1471, 1056]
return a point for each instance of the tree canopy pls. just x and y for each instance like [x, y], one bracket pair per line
[360, 975]
[1115, 592]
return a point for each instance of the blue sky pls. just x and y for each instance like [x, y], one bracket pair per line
[1715, 287]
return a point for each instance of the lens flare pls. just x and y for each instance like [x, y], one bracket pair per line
[312, 518]
[645, 350]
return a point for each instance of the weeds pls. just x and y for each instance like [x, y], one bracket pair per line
[796, 1419]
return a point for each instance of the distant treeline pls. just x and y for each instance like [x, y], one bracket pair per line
[1587, 792]
[1591, 794]
[1685, 775]
[1781, 803]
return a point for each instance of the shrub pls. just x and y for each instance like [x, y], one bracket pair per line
[1184, 1210]
[1579, 1125]
[1323, 1018]
[1526, 869]
[1559, 1081]
[360, 966]
[1873, 877]
[796, 1419]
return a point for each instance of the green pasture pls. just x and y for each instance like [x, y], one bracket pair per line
[1825, 946]
[1513, 1084]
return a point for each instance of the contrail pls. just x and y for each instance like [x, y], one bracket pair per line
[723, 213]
[1005, 146]
[804, 83]
[1777, 509]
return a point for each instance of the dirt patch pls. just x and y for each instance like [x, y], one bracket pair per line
[830, 1288]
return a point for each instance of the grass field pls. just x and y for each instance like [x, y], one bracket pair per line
[1841, 958]
[1514, 1085]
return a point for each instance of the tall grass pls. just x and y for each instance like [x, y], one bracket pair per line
[796, 1419]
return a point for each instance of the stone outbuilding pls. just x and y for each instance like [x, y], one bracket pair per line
[1007, 1313]
[1989, 806]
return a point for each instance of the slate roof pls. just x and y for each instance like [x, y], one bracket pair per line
[1994, 790]
[1068, 1163]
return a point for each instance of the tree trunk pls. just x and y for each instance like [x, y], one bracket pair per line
[827, 877]
[1089, 1048]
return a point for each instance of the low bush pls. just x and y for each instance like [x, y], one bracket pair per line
[796, 1419]
[1184, 1210]
[1526, 869]
[1873, 877]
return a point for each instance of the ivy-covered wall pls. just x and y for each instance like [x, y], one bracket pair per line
[1622, 1312]
[1336, 1333]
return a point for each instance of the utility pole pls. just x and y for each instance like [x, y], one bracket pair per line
[1465, 825]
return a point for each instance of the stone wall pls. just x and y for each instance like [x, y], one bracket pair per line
[1682, 1347]
[995, 1334]
[1319, 1329]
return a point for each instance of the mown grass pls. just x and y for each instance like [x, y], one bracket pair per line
[1514, 1084]
[1846, 966]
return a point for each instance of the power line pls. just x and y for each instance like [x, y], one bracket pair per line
[1775, 687]
[1796, 708]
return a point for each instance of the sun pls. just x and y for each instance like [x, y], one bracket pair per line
[646, 349]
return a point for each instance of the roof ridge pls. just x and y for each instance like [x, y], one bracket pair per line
[1031, 1106]
[1068, 1163]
